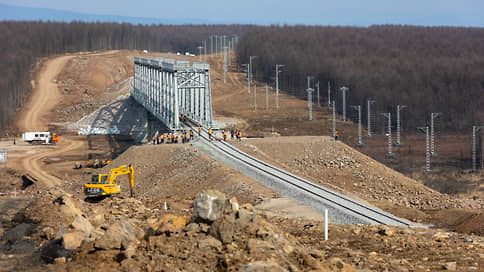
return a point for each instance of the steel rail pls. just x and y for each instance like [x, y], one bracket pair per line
[371, 214]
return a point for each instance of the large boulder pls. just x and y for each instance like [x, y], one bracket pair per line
[67, 207]
[119, 235]
[72, 240]
[82, 224]
[208, 206]
[223, 229]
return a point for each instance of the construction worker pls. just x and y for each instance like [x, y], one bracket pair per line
[162, 138]
[191, 134]
[240, 135]
[199, 130]
[210, 133]
[153, 139]
[168, 138]
[176, 139]
[184, 137]
[225, 135]
[232, 133]
[158, 139]
[336, 134]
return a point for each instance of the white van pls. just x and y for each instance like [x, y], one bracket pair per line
[37, 137]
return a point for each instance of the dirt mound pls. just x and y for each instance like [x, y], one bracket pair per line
[176, 173]
[339, 167]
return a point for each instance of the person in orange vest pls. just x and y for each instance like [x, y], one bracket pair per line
[225, 136]
[153, 139]
[336, 134]
[168, 138]
[240, 135]
[162, 138]
[210, 133]
[158, 139]
[199, 130]
[191, 134]
[184, 137]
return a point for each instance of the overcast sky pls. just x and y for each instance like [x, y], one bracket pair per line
[322, 12]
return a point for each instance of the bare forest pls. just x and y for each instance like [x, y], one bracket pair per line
[23, 43]
[429, 69]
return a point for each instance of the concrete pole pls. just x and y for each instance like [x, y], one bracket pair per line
[475, 129]
[216, 41]
[358, 108]
[427, 155]
[368, 110]
[319, 101]
[334, 118]
[255, 97]
[389, 134]
[310, 102]
[329, 94]
[277, 84]
[399, 108]
[225, 64]
[267, 97]
[326, 224]
[344, 90]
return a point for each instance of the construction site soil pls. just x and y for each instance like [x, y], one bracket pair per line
[49, 226]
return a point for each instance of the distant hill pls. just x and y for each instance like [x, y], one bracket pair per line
[17, 13]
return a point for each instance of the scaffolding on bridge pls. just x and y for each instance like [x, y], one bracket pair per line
[168, 88]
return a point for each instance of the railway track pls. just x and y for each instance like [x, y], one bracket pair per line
[342, 209]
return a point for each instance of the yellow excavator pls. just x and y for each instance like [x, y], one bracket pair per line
[107, 184]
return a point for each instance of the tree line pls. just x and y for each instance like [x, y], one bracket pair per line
[428, 69]
[22, 43]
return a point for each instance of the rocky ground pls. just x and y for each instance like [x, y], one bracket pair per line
[339, 167]
[177, 222]
[122, 234]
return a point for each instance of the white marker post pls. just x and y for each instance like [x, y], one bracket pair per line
[326, 224]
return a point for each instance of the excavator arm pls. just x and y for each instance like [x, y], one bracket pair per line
[123, 170]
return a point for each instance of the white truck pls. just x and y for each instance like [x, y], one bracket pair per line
[40, 137]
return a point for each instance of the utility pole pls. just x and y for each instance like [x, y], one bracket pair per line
[433, 115]
[250, 70]
[399, 108]
[211, 46]
[334, 118]
[225, 64]
[230, 52]
[310, 98]
[277, 84]
[358, 108]
[329, 94]
[427, 146]
[267, 97]
[368, 111]
[255, 97]
[344, 90]
[205, 51]
[310, 102]
[389, 134]
[200, 52]
[475, 129]
[319, 101]
[216, 41]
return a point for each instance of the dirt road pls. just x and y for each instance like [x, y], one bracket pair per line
[34, 117]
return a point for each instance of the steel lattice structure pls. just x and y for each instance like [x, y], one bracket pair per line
[168, 88]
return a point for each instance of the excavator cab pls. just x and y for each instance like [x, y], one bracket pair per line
[107, 184]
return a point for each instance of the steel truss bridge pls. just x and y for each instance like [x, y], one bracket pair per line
[168, 88]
